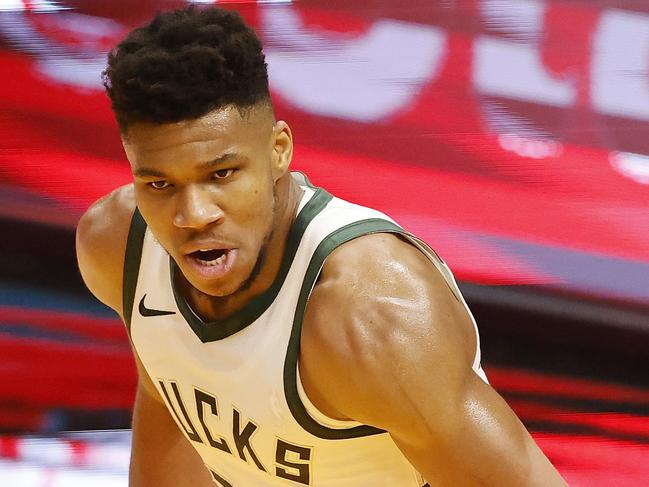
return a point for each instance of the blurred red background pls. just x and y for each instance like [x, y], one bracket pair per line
[513, 136]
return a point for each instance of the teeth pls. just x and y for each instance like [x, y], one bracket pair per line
[218, 261]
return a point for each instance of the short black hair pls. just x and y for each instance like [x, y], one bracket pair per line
[184, 64]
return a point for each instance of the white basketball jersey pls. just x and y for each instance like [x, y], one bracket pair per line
[233, 385]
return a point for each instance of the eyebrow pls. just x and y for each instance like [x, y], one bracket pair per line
[219, 160]
[147, 172]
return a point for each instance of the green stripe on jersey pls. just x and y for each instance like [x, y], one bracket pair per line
[328, 245]
[132, 259]
[220, 329]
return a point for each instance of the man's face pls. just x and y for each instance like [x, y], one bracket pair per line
[206, 188]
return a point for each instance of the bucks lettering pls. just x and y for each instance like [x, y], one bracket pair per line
[290, 461]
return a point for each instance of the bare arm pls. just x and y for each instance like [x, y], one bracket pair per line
[160, 455]
[400, 357]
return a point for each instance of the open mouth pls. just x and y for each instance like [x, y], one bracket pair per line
[210, 257]
[212, 263]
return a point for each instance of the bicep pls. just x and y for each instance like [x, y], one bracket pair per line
[395, 349]
[402, 360]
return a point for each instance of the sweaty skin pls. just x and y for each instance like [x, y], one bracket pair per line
[405, 365]
[384, 340]
[221, 179]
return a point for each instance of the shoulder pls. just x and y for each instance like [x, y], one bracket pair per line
[102, 233]
[380, 318]
[386, 343]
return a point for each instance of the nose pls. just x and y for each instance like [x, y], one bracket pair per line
[197, 208]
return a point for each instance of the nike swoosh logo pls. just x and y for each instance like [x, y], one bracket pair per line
[144, 311]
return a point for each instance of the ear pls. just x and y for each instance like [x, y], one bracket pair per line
[282, 149]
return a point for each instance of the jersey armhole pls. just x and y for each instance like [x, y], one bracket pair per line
[304, 412]
[132, 258]
[309, 420]
[318, 415]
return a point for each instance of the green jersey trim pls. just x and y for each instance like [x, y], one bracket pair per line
[132, 259]
[220, 329]
[295, 405]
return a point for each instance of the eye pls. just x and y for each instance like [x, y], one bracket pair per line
[222, 173]
[158, 184]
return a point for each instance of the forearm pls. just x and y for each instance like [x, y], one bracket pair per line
[161, 456]
[484, 445]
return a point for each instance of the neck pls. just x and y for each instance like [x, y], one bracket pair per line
[210, 308]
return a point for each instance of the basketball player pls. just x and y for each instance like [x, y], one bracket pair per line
[283, 337]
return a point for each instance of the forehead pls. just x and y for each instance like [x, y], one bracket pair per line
[219, 131]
